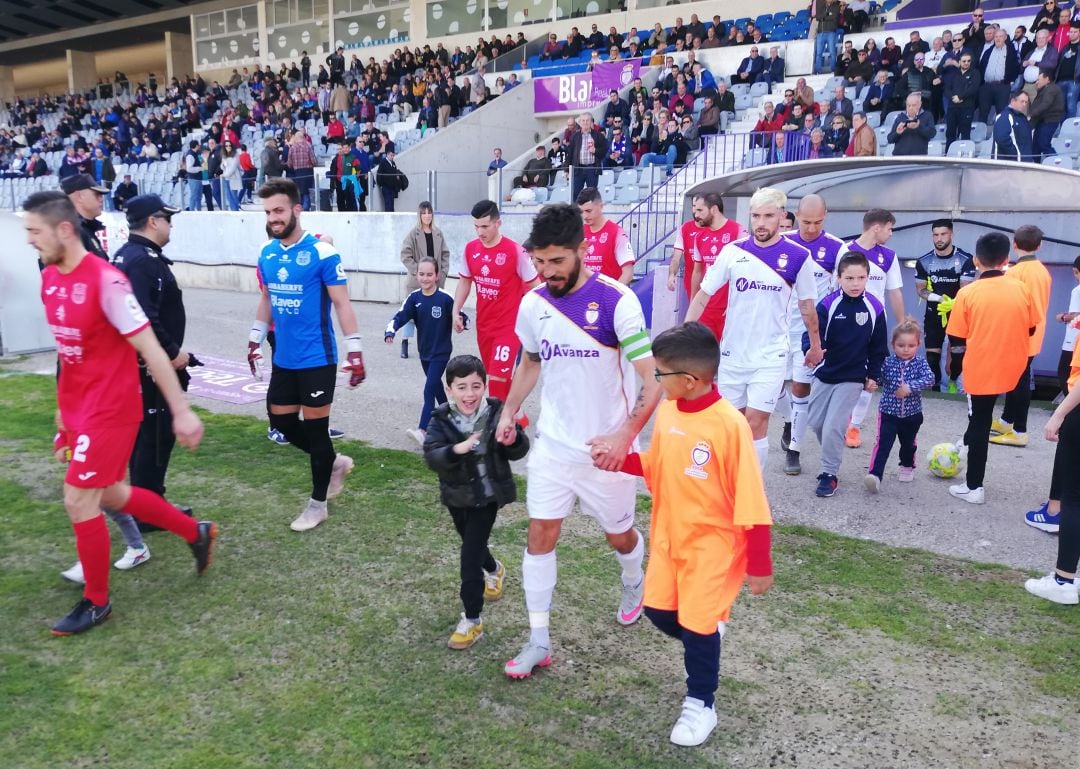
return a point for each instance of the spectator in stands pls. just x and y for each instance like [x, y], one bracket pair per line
[756, 36]
[678, 30]
[860, 15]
[213, 167]
[1046, 113]
[586, 150]
[301, 163]
[1046, 19]
[913, 129]
[614, 54]
[873, 53]
[1012, 130]
[552, 49]
[780, 151]
[36, 166]
[336, 62]
[616, 108]
[914, 45]
[963, 95]
[391, 180]
[845, 59]
[101, 168]
[773, 68]
[917, 80]
[614, 39]
[342, 177]
[689, 132]
[751, 67]
[863, 139]
[710, 40]
[643, 137]
[232, 176]
[999, 68]
[1067, 74]
[818, 149]
[977, 47]
[670, 149]
[557, 157]
[659, 37]
[1043, 55]
[976, 29]
[1021, 44]
[936, 53]
[619, 154]
[840, 104]
[709, 119]
[696, 27]
[837, 136]
[891, 57]
[496, 163]
[71, 164]
[1060, 38]
[124, 192]
[631, 37]
[681, 96]
[574, 45]
[859, 74]
[536, 173]
[725, 100]
[827, 14]
[596, 39]
[769, 123]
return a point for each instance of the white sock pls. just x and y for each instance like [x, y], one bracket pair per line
[538, 576]
[631, 562]
[783, 404]
[799, 409]
[761, 446]
[858, 414]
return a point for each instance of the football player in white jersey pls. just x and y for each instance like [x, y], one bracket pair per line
[886, 281]
[586, 334]
[762, 273]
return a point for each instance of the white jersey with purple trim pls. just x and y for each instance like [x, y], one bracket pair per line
[884, 269]
[761, 281]
[823, 251]
[587, 342]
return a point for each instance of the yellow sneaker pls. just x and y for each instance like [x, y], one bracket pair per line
[493, 582]
[1011, 438]
[997, 427]
[854, 438]
[466, 633]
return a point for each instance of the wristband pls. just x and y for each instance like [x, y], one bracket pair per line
[353, 343]
[259, 330]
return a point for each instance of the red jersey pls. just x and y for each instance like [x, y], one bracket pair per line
[707, 245]
[91, 310]
[609, 250]
[687, 237]
[500, 273]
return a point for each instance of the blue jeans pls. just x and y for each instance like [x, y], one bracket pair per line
[655, 159]
[233, 198]
[822, 40]
[194, 194]
[1071, 89]
[1040, 140]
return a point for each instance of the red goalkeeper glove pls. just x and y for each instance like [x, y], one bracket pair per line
[354, 360]
[255, 340]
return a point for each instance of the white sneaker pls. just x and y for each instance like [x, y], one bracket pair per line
[314, 514]
[695, 723]
[74, 574]
[1047, 587]
[133, 556]
[417, 435]
[343, 465]
[529, 658]
[972, 496]
[872, 483]
[633, 600]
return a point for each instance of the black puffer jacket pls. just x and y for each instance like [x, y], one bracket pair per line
[459, 481]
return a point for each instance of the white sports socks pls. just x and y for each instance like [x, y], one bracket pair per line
[631, 562]
[538, 576]
[799, 409]
[783, 404]
[761, 446]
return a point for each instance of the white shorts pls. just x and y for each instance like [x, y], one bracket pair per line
[553, 486]
[751, 388]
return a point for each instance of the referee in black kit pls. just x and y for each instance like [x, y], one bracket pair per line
[155, 286]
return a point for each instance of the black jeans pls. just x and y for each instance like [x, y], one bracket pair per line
[474, 524]
[977, 437]
[154, 444]
[1018, 401]
[889, 428]
[701, 654]
[1068, 456]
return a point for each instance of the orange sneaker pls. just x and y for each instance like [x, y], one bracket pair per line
[854, 438]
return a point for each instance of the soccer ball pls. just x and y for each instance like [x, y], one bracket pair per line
[944, 460]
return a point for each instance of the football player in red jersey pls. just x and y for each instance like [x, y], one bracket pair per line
[714, 231]
[610, 252]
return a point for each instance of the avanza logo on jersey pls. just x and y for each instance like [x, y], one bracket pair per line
[557, 350]
[742, 284]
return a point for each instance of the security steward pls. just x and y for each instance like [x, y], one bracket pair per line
[155, 286]
[88, 197]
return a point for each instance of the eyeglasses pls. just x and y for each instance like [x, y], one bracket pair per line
[166, 217]
[659, 375]
[979, 15]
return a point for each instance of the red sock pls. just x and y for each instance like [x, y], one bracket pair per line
[147, 506]
[499, 389]
[92, 544]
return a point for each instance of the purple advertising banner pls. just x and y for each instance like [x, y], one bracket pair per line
[230, 381]
[585, 90]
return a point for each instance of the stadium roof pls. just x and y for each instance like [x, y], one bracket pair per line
[35, 30]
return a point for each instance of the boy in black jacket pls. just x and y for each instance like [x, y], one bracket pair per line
[852, 324]
[475, 480]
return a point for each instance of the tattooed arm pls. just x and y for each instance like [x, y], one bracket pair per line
[609, 451]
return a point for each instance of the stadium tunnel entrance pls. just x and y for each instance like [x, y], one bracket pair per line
[978, 195]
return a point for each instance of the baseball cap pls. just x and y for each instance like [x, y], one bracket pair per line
[81, 182]
[144, 206]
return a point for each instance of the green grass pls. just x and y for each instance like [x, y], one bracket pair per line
[328, 649]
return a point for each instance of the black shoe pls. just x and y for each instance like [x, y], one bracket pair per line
[792, 466]
[785, 439]
[149, 528]
[826, 485]
[404, 348]
[202, 547]
[83, 617]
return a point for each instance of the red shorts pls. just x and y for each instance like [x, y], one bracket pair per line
[716, 312]
[499, 353]
[100, 455]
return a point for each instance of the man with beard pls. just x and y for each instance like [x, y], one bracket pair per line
[302, 277]
[939, 274]
[714, 232]
[586, 332]
[760, 273]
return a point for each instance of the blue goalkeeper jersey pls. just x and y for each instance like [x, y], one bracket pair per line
[296, 278]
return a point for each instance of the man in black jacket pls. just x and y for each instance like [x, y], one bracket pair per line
[124, 192]
[962, 93]
[87, 196]
[390, 179]
[913, 129]
[336, 62]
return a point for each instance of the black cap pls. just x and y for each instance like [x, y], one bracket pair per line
[81, 182]
[144, 206]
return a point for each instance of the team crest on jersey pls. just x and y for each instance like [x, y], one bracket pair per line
[485, 270]
[303, 259]
[500, 259]
[821, 254]
[699, 456]
[78, 293]
[592, 314]
[881, 258]
[862, 317]
[436, 311]
[603, 238]
[282, 275]
[782, 261]
[725, 239]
